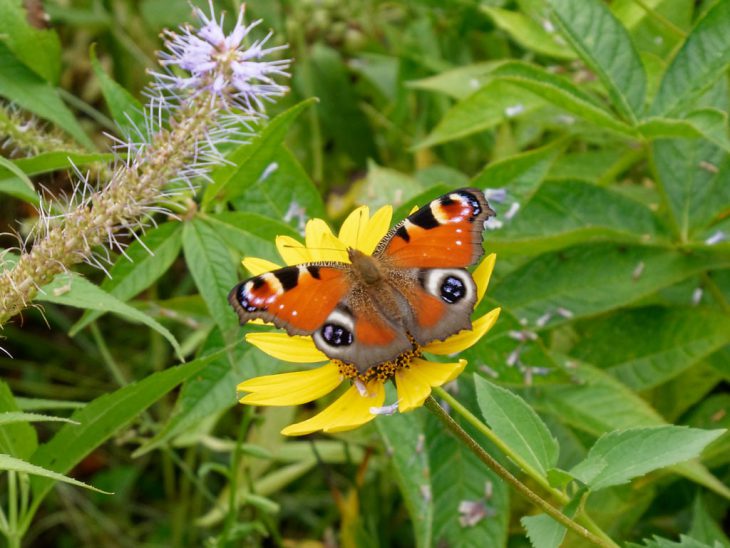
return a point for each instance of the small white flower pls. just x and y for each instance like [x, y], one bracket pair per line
[498, 195]
[513, 209]
[697, 296]
[514, 110]
[385, 410]
[493, 224]
[716, 238]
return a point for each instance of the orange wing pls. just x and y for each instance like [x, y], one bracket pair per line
[445, 233]
[297, 298]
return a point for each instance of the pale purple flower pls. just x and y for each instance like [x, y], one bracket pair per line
[717, 237]
[222, 64]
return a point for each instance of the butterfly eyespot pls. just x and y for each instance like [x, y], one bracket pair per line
[336, 335]
[452, 289]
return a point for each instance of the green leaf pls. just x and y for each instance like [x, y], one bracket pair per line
[694, 176]
[543, 531]
[250, 234]
[12, 417]
[702, 60]
[594, 278]
[521, 174]
[211, 391]
[458, 477]
[39, 49]
[127, 112]
[251, 160]
[17, 465]
[326, 75]
[606, 47]
[73, 290]
[103, 418]
[28, 90]
[517, 424]
[704, 527]
[562, 93]
[618, 457]
[710, 124]
[16, 439]
[210, 264]
[492, 104]
[526, 32]
[459, 82]
[46, 162]
[139, 267]
[16, 183]
[564, 213]
[405, 441]
[656, 343]
[283, 190]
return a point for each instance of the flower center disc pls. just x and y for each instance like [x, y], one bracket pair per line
[382, 371]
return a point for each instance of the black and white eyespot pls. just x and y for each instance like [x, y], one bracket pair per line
[337, 330]
[451, 285]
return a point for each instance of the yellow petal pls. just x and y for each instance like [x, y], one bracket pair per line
[296, 349]
[258, 266]
[347, 412]
[314, 234]
[464, 339]
[414, 383]
[291, 388]
[291, 251]
[482, 274]
[414, 209]
[376, 228]
[354, 227]
[332, 249]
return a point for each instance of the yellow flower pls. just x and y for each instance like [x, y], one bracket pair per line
[414, 375]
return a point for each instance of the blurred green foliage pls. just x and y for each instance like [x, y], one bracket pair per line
[606, 125]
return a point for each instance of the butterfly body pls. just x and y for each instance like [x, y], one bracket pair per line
[412, 290]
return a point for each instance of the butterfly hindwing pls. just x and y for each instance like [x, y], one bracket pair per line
[297, 298]
[447, 232]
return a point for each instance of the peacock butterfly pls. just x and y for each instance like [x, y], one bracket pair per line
[413, 289]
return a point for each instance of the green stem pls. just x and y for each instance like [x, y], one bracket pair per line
[505, 474]
[235, 472]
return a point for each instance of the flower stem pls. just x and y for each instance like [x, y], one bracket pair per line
[505, 474]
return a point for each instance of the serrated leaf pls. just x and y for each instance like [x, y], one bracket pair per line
[594, 278]
[139, 267]
[458, 477]
[16, 183]
[684, 542]
[104, 417]
[73, 290]
[656, 343]
[210, 264]
[562, 93]
[517, 424]
[39, 49]
[126, 111]
[251, 160]
[405, 441]
[17, 465]
[526, 32]
[494, 103]
[703, 59]
[606, 47]
[564, 213]
[695, 178]
[710, 124]
[705, 528]
[28, 90]
[618, 457]
[543, 531]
